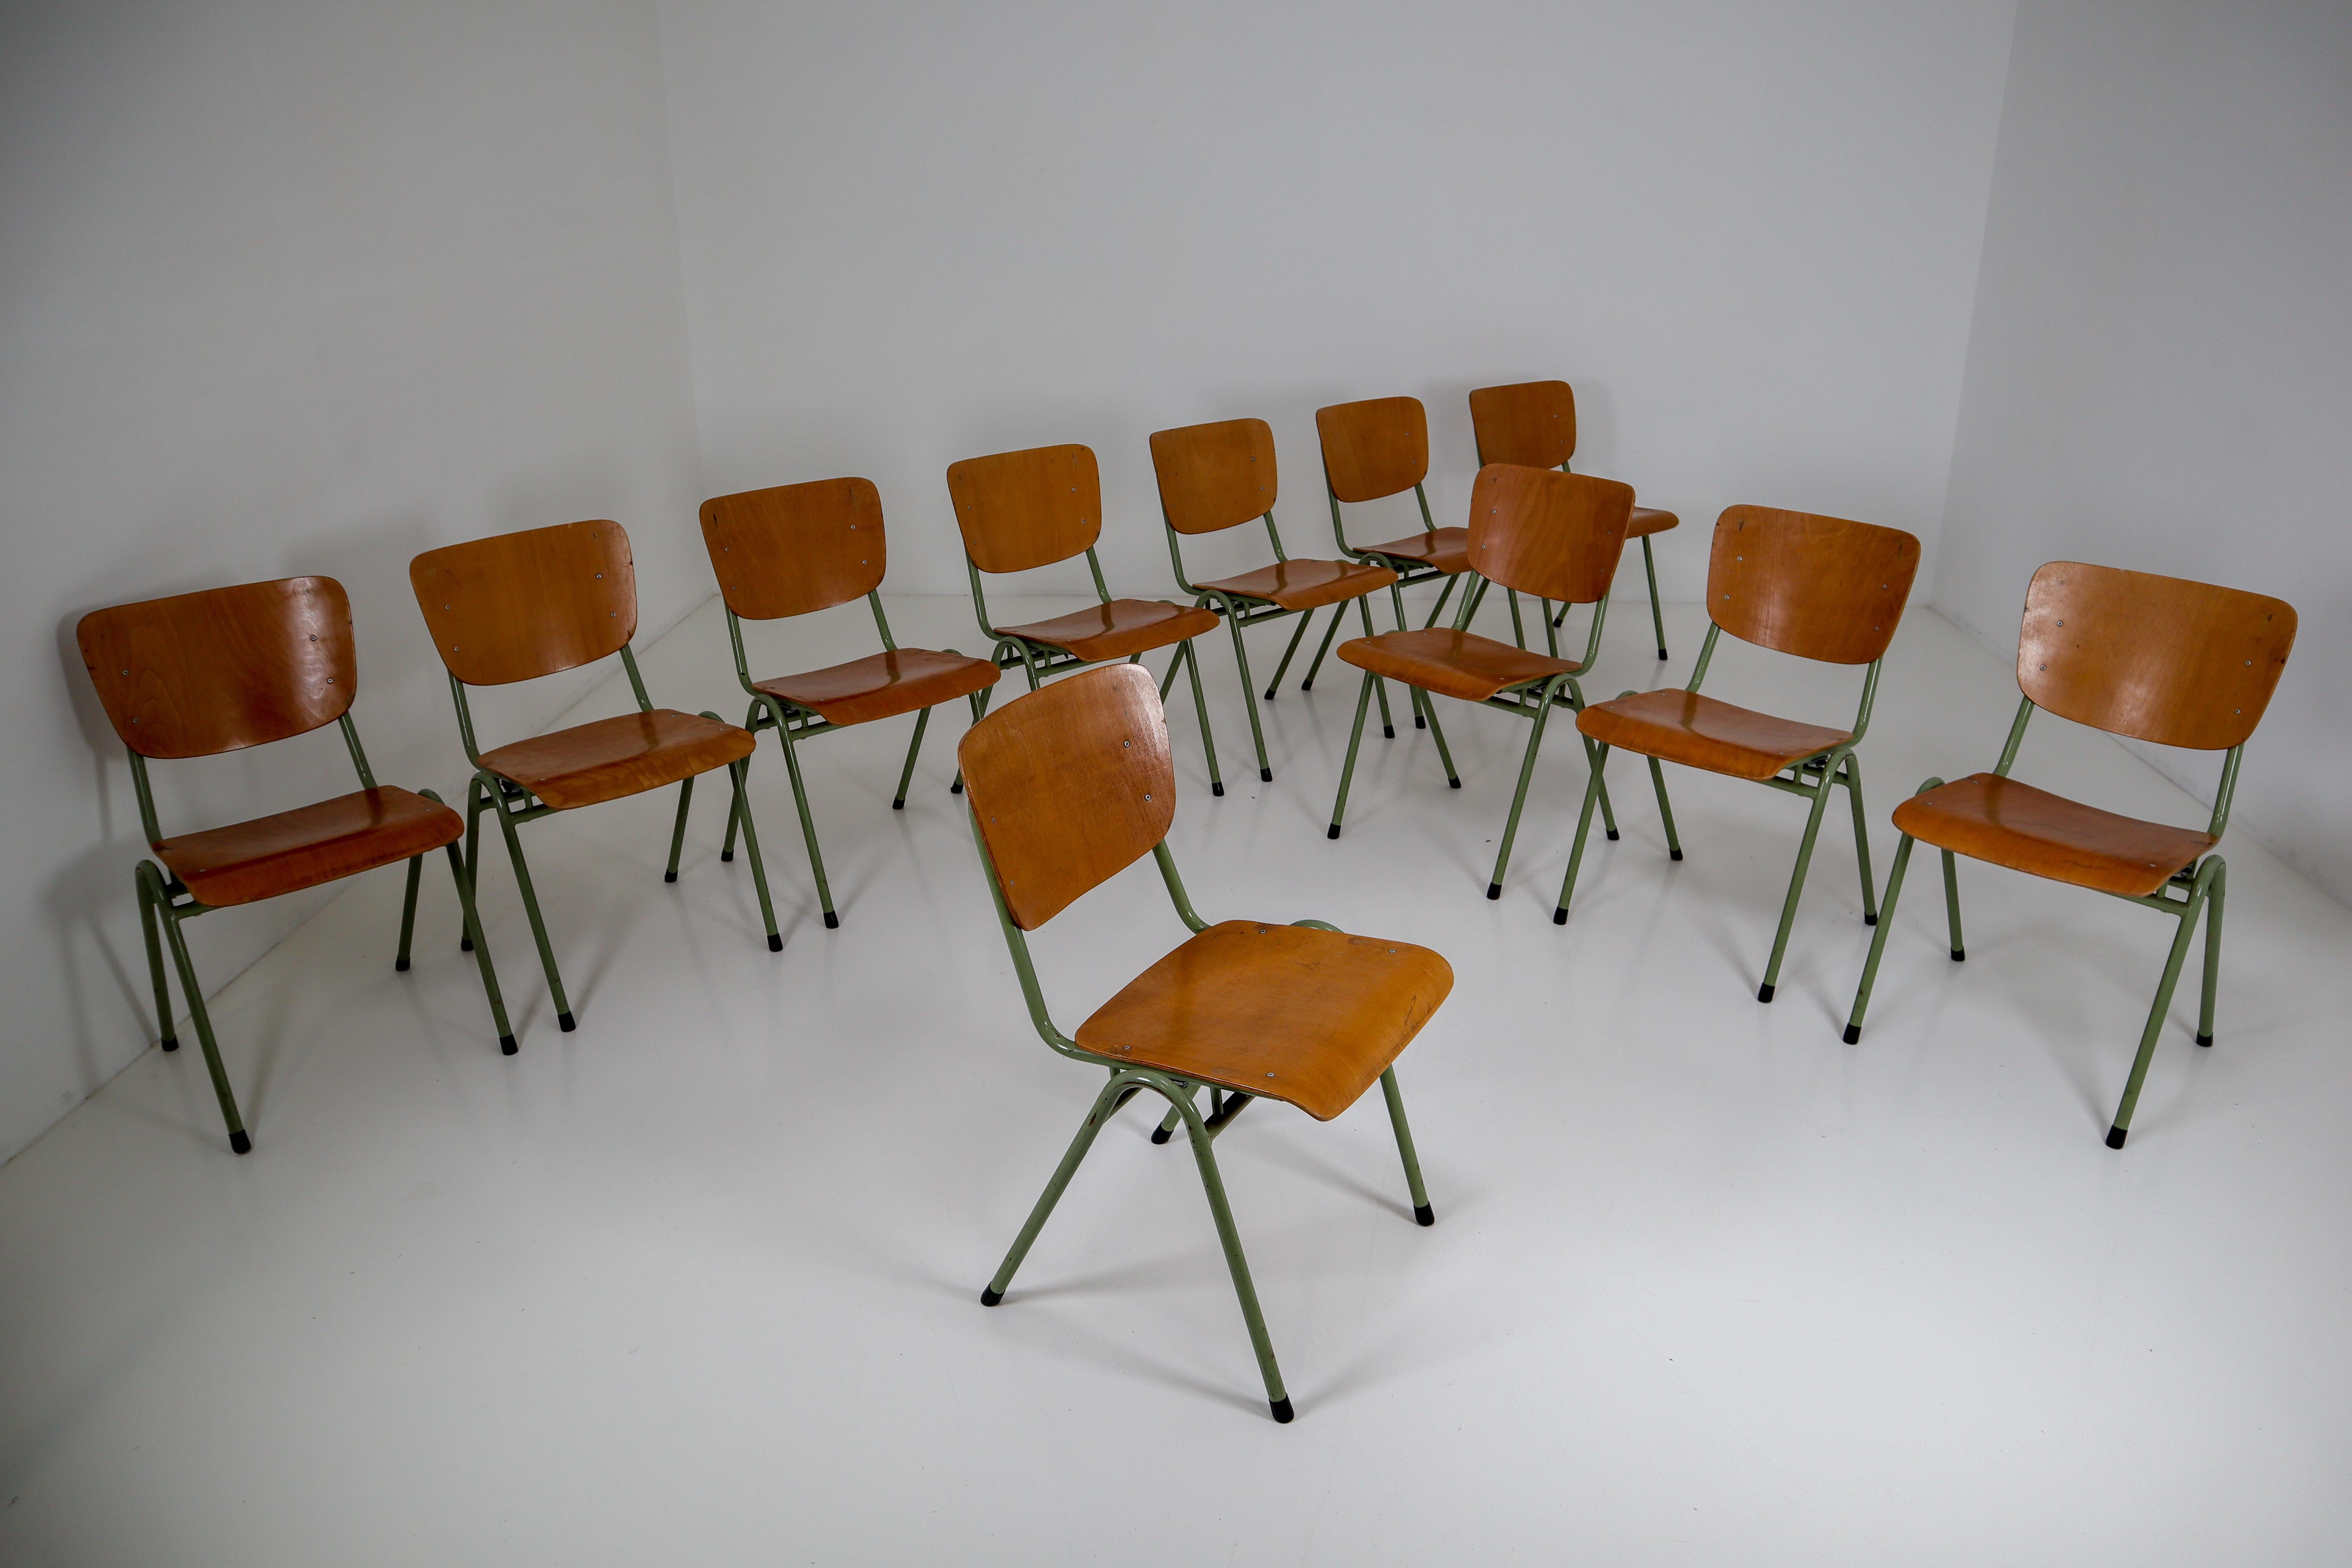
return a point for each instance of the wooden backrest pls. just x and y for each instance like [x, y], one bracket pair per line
[2158, 659]
[1070, 785]
[1819, 587]
[1531, 423]
[795, 548]
[1019, 510]
[1214, 476]
[1544, 532]
[530, 604]
[198, 674]
[1374, 448]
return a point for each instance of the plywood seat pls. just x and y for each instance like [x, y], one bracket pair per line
[624, 755]
[1698, 731]
[883, 685]
[1446, 550]
[1649, 520]
[310, 845]
[1306, 585]
[1117, 628]
[1291, 1013]
[1452, 663]
[1988, 818]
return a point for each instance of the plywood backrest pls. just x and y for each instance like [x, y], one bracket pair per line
[1544, 532]
[1070, 785]
[2158, 659]
[795, 548]
[198, 674]
[1019, 510]
[1374, 448]
[1214, 476]
[1819, 587]
[530, 604]
[1531, 423]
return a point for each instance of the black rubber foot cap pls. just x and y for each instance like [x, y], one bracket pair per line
[2204, 1039]
[1853, 1034]
[1332, 832]
[775, 943]
[1662, 653]
[899, 804]
[1559, 917]
[1764, 991]
[1216, 787]
[1269, 694]
[1673, 854]
[1161, 1134]
[1611, 833]
[1959, 955]
[727, 855]
[170, 1042]
[240, 1144]
[465, 944]
[1265, 776]
[1870, 919]
[2114, 1137]
[1281, 1408]
[831, 920]
[1494, 890]
[401, 965]
[565, 1021]
[670, 875]
[1388, 731]
[989, 1298]
[956, 789]
[1419, 722]
[1452, 783]
[507, 1046]
[1424, 1214]
[1306, 685]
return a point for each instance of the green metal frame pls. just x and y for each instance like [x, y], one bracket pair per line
[797, 724]
[513, 806]
[1127, 1080]
[164, 902]
[1530, 700]
[2201, 887]
[1808, 777]
[1410, 570]
[1650, 572]
[1038, 659]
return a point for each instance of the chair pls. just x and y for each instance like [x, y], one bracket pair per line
[200, 674]
[797, 549]
[1818, 587]
[1072, 785]
[2155, 658]
[520, 606]
[1533, 422]
[1216, 477]
[1020, 511]
[1536, 530]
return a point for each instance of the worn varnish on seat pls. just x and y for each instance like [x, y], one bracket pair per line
[1687, 727]
[2004, 822]
[1118, 628]
[883, 685]
[610, 759]
[309, 846]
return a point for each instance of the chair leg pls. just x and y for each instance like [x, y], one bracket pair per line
[2213, 902]
[1666, 808]
[1107, 1105]
[1228, 1237]
[1597, 763]
[470, 917]
[1439, 608]
[979, 700]
[1795, 889]
[726, 845]
[1878, 938]
[2155, 1013]
[476, 799]
[1388, 728]
[677, 828]
[1657, 616]
[1305, 619]
[408, 910]
[1240, 662]
[808, 829]
[1952, 906]
[1191, 660]
[1519, 797]
[1518, 632]
[907, 773]
[563, 1018]
[1355, 738]
[738, 774]
[239, 1141]
[1851, 776]
[1175, 1119]
[1338, 612]
[148, 917]
[1428, 709]
[1422, 1212]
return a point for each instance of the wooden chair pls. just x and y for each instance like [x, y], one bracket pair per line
[1067, 787]
[2155, 658]
[520, 606]
[797, 549]
[1216, 477]
[1021, 511]
[1534, 530]
[1818, 587]
[199, 674]
[1533, 422]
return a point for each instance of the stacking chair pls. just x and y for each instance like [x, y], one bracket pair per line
[1216, 477]
[1067, 787]
[797, 549]
[521, 605]
[2156, 658]
[1533, 422]
[1020, 511]
[1534, 531]
[199, 674]
[1818, 587]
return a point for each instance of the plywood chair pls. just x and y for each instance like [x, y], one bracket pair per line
[1818, 587]
[2160, 660]
[1021, 511]
[1534, 530]
[1072, 785]
[1533, 422]
[1216, 477]
[521, 605]
[792, 550]
[199, 674]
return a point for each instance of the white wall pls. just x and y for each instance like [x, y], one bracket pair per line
[298, 287]
[2160, 372]
[1747, 233]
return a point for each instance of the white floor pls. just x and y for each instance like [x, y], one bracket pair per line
[699, 1283]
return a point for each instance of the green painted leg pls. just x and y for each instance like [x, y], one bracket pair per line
[563, 1018]
[1201, 706]
[2155, 1013]
[1428, 711]
[1519, 797]
[808, 831]
[738, 774]
[408, 910]
[470, 917]
[1795, 889]
[1952, 906]
[1422, 1212]
[1396, 603]
[677, 828]
[1258, 731]
[1355, 738]
[1305, 619]
[477, 799]
[238, 1140]
[1387, 728]
[1657, 616]
[148, 917]
[726, 845]
[1852, 777]
[2214, 899]
[1878, 939]
[1518, 632]
[1551, 628]
[1439, 608]
[1337, 613]
[1175, 1118]
[1599, 762]
[1665, 809]
[907, 773]
[1204, 1154]
[979, 700]
[1107, 1104]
